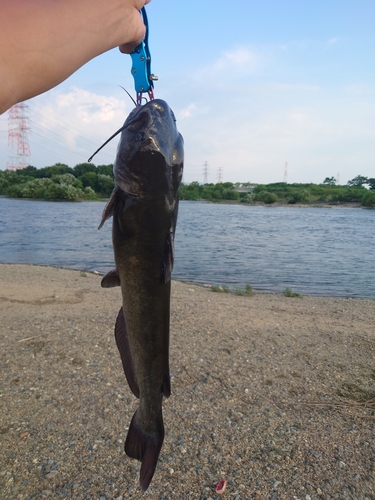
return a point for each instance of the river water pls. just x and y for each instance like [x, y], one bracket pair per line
[313, 251]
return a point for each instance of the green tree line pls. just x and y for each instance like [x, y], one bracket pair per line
[87, 181]
[58, 182]
[281, 192]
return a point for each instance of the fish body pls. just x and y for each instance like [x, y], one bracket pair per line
[144, 205]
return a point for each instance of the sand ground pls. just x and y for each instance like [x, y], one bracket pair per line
[274, 394]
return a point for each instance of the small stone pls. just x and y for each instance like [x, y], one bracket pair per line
[46, 493]
[319, 491]
[308, 497]
[276, 484]
[51, 475]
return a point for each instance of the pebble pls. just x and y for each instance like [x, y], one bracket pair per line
[51, 475]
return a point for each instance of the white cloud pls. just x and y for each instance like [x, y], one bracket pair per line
[187, 112]
[239, 57]
[332, 41]
[70, 126]
[90, 107]
[239, 62]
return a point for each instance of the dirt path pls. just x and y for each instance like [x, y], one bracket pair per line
[268, 392]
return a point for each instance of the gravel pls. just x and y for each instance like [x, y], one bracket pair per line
[274, 394]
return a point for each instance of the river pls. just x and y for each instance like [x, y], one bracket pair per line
[313, 251]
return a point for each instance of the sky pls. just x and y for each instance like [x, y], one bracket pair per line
[254, 85]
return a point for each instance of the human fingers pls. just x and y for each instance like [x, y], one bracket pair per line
[139, 29]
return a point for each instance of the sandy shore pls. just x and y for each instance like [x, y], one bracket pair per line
[268, 392]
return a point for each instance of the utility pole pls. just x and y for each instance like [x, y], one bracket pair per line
[220, 175]
[18, 141]
[205, 172]
[286, 173]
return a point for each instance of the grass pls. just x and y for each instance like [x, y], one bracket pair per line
[238, 291]
[220, 289]
[289, 293]
[245, 291]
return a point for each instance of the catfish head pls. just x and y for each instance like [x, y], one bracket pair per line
[150, 153]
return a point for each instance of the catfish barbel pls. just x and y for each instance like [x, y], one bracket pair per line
[144, 204]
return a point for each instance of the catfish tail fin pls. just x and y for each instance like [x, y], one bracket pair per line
[145, 447]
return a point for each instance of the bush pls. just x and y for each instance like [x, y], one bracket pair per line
[368, 199]
[298, 197]
[266, 197]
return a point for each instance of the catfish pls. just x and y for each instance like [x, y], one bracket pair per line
[144, 205]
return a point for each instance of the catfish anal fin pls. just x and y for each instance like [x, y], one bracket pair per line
[111, 279]
[123, 346]
[168, 258]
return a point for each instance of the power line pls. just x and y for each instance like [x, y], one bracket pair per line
[220, 175]
[18, 141]
[205, 172]
[286, 172]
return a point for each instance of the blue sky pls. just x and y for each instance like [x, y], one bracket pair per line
[253, 85]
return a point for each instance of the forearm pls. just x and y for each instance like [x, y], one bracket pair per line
[42, 42]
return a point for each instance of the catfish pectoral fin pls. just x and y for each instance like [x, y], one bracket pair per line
[111, 279]
[145, 447]
[122, 341]
[168, 258]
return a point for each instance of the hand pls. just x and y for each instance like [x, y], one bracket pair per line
[139, 29]
[42, 42]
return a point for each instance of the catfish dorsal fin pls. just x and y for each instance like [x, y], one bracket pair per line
[118, 202]
[109, 208]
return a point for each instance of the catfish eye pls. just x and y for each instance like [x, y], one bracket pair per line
[140, 136]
